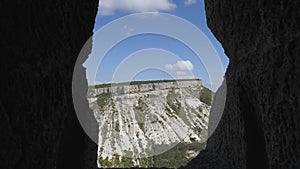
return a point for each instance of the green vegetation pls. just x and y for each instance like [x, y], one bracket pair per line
[183, 115]
[126, 162]
[103, 99]
[105, 162]
[141, 105]
[173, 158]
[146, 162]
[140, 117]
[115, 162]
[117, 127]
[172, 102]
[176, 157]
[206, 96]
[176, 108]
[168, 112]
[198, 130]
[142, 126]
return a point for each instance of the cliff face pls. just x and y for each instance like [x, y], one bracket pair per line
[135, 127]
[149, 86]
[260, 125]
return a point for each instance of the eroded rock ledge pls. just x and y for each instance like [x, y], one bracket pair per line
[147, 86]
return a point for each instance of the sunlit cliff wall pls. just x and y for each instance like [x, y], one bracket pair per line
[148, 87]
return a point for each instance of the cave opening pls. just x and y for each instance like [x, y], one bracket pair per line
[41, 41]
[184, 64]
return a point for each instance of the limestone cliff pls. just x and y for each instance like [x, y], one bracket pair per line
[147, 120]
[147, 86]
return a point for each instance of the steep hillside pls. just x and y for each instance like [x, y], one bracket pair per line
[136, 127]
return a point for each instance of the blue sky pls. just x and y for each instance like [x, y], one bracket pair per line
[151, 56]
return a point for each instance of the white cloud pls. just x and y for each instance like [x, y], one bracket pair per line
[190, 2]
[181, 69]
[108, 7]
[180, 66]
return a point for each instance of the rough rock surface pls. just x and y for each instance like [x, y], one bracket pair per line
[40, 41]
[126, 89]
[261, 122]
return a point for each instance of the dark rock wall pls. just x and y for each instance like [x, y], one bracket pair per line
[260, 126]
[40, 42]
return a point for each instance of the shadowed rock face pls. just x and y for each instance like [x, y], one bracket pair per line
[260, 125]
[40, 41]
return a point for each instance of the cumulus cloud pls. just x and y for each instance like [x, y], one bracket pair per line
[182, 65]
[108, 7]
[190, 2]
[181, 69]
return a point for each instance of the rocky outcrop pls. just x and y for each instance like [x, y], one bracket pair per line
[261, 122]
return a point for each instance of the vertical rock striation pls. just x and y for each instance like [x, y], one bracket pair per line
[143, 125]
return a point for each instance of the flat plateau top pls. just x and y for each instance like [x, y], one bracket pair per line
[140, 82]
